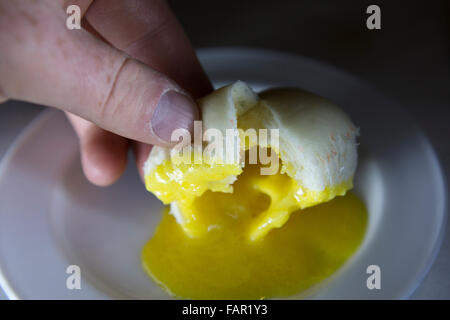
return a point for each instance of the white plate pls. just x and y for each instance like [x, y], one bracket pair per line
[51, 217]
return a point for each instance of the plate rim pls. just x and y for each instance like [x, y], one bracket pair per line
[33, 125]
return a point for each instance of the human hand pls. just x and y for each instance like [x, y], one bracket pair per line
[124, 79]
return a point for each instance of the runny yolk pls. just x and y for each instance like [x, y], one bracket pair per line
[224, 264]
[186, 186]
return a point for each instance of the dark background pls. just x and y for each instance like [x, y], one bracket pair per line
[408, 59]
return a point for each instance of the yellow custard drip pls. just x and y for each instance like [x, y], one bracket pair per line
[225, 264]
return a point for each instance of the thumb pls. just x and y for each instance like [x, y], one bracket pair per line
[74, 71]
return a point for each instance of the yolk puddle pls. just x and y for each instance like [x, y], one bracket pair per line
[225, 264]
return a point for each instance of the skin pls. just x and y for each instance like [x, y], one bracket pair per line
[108, 77]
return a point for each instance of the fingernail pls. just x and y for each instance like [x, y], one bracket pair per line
[174, 111]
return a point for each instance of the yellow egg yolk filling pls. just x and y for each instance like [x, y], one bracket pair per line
[223, 263]
[188, 186]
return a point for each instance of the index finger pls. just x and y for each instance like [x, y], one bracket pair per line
[148, 31]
